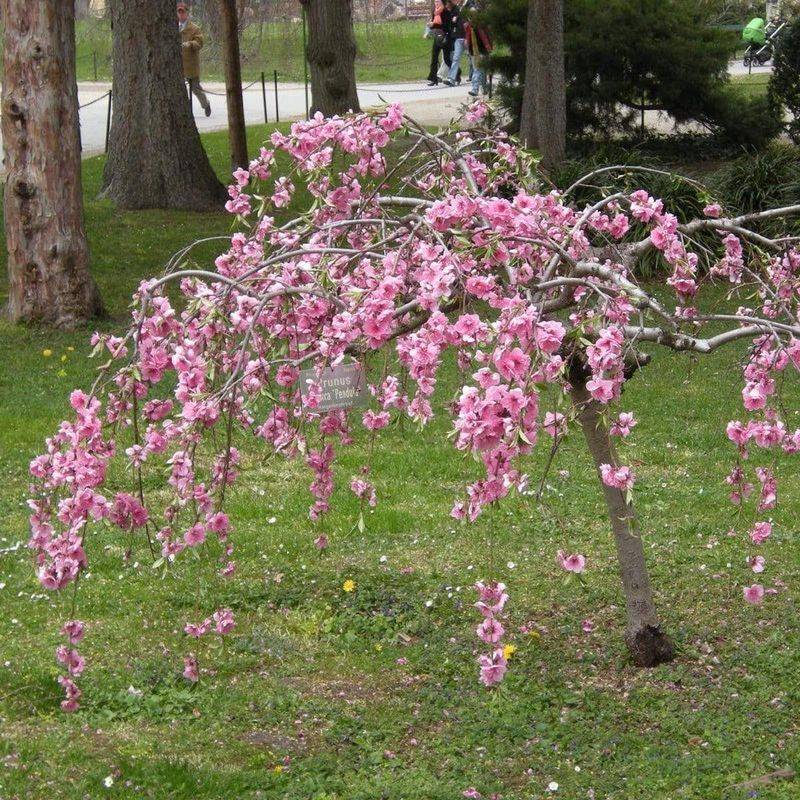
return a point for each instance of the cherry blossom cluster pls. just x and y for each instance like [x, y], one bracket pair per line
[491, 602]
[69, 657]
[473, 259]
[220, 622]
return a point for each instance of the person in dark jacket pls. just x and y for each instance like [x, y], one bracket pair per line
[457, 42]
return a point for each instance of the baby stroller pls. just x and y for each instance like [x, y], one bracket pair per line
[761, 40]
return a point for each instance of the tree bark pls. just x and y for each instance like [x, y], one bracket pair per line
[237, 132]
[331, 54]
[647, 643]
[545, 93]
[155, 157]
[550, 89]
[527, 124]
[48, 258]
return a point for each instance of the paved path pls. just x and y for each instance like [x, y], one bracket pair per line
[736, 68]
[291, 105]
[430, 105]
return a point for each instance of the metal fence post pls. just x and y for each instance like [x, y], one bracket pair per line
[108, 118]
[305, 60]
[277, 115]
[264, 97]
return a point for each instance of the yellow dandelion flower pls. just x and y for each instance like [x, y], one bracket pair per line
[509, 651]
[349, 585]
[277, 769]
[47, 352]
[535, 635]
[63, 358]
[71, 349]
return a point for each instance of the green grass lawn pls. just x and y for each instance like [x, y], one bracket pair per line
[308, 699]
[755, 84]
[387, 51]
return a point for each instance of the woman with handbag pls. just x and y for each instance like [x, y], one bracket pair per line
[438, 27]
[479, 45]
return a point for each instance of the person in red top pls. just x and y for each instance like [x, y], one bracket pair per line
[438, 31]
[479, 45]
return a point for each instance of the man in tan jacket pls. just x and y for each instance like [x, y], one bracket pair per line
[191, 42]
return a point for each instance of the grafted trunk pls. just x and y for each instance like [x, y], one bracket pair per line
[237, 133]
[331, 54]
[647, 643]
[155, 157]
[48, 259]
[527, 125]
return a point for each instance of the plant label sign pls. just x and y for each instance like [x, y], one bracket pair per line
[343, 386]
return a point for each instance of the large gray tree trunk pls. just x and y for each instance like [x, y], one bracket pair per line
[331, 56]
[647, 643]
[48, 259]
[155, 157]
[545, 94]
[237, 132]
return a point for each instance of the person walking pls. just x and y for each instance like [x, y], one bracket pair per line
[479, 45]
[438, 29]
[458, 42]
[191, 42]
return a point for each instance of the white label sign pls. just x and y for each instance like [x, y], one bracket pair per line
[343, 386]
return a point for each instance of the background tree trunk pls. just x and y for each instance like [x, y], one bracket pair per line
[48, 259]
[550, 89]
[647, 643]
[237, 132]
[544, 105]
[155, 158]
[527, 124]
[331, 56]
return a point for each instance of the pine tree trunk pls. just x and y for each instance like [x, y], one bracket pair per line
[237, 132]
[48, 259]
[331, 56]
[647, 643]
[155, 157]
[527, 125]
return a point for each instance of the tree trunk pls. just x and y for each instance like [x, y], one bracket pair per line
[647, 643]
[237, 132]
[212, 16]
[527, 123]
[331, 54]
[48, 259]
[155, 158]
[544, 106]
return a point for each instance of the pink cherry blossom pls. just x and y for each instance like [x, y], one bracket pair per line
[754, 594]
[571, 563]
[756, 563]
[490, 631]
[223, 621]
[760, 532]
[617, 477]
[191, 671]
[493, 667]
